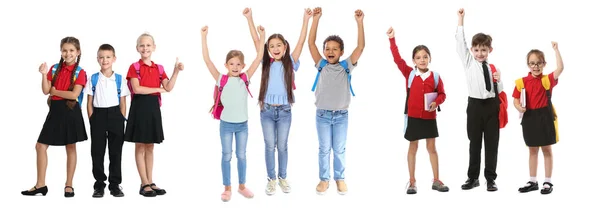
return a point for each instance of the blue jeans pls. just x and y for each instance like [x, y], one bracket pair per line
[228, 130]
[332, 129]
[276, 122]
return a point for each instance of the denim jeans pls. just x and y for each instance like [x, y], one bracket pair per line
[332, 129]
[228, 130]
[276, 122]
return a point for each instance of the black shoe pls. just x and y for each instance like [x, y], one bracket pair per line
[470, 184]
[43, 190]
[69, 194]
[546, 190]
[157, 190]
[117, 192]
[98, 193]
[491, 186]
[530, 186]
[145, 193]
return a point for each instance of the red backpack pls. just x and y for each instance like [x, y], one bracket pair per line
[503, 112]
[217, 108]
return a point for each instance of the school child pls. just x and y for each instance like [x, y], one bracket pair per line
[420, 118]
[147, 80]
[64, 124]
[106, 107]
[539, 123]
[333, 99]
[276, 97]
[483, 106]
[231, 108]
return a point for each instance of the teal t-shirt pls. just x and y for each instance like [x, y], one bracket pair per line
[235, 100]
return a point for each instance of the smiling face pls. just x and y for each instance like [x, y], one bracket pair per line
[333, 51]
[69, 53]
[421, 57]
[235, 66]
[145, 46]
[536, 62]
[106, 58]
[481, 52]
[276, 48]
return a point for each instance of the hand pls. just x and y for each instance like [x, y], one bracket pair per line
[52, 91]
[178, 65]
[44, 68]
[307, 13]
[204, 30]
[432, 107]
[555, 46]
[261, 30]
[390, 32]
[247, 12]
[496, 76]
[359, 15]
[461, 13]
[522, 109]
[317, 13]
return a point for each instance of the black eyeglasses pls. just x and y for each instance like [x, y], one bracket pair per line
[532, 64]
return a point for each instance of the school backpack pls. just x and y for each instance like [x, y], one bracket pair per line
[546, 83]
[80, 97]
[161, 71]
[293, 73]
[117, 79]
[217, 108]
[503, 112]
[323, 63]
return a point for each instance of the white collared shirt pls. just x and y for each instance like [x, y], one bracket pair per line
[423, 76]
[474, 70]
[106, 94]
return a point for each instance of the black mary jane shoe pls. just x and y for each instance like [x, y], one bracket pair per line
[530, 186]
[69, 194]
[547, 190]
[158, 191]
[43, 190]
[145, 193]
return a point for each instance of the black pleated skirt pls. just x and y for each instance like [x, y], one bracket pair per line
[538, 127]
[63, 125]
[144, 124]
[417, 129]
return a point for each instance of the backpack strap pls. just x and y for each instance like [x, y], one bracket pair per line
[161, 71]
[322, 64]
[495, 82]
[519, 84]
[546, 84]
[80, 98]
[94, 80]
[244, 78]
[344, 64]
[118, 79]
[222, 84]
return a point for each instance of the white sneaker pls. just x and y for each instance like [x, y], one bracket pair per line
[285, 187]
[270, 190]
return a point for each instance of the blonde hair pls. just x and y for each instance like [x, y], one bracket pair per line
[145, 34]
[234, 53]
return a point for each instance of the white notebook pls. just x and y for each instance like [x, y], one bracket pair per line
[523, 100]
[429, 98]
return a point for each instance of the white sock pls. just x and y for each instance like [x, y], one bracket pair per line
[533, 179]
[547, 180]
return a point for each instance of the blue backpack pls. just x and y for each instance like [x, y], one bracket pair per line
[323, 63]
[80, 98]
[117, 79]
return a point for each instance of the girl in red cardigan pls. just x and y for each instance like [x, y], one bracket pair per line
[420, 117]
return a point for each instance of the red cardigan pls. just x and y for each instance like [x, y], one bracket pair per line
[418, 88]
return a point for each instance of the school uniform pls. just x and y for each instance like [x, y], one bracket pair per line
[538, 120]
[482, 111]
[107, 121]
[419, 123]
[64, 125]
[144, 123]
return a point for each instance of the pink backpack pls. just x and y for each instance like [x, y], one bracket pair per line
[217, 108]
[161, 71]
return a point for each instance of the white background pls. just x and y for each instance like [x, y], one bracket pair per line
[187, 164]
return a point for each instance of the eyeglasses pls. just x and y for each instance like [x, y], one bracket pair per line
[532, 64]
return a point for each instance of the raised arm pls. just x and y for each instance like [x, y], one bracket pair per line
[402, 66]
[169, 84]
[302, 38]
[209, 64]
[259, 55]
[45, 82]
[312, 36]
[461, 43]
[359, 15]
[248, 14]
[559, 61]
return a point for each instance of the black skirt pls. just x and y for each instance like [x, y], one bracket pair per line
[417, 129]
[144, 124]
[538, 127]
[63, 125]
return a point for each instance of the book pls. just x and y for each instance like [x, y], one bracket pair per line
[523, 101]
[430, 98]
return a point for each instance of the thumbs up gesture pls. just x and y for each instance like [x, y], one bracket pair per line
[178, 65]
